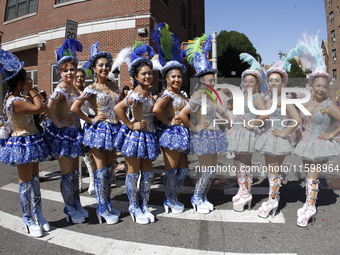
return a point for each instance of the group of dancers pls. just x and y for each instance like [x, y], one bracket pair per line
[184, 129]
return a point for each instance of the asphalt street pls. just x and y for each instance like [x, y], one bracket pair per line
[223, 231]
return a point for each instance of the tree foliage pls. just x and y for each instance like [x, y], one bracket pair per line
[229, 47]
[297, 77]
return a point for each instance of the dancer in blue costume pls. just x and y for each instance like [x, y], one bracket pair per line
[136, 139]
[207, 140]
[23, 145]
[100, 131]
[63, 132]
[173, 136]
[242, 137]
[276, 142]
[317, 144]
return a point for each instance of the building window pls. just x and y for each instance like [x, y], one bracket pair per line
[333, 35]
[33, 74]
[334, 54]
[331, 17]
[334, 74]
[165, 2]
[183, 16]
[61, 1]
[329, 2]
[18, 8]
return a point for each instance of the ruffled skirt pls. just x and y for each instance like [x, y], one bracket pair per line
[241, 140]
[101, 135]
[317, 150]
[64, 142]
[208, 142]
[174, 137]
[137, 143]
[20, 150]
[267, 143]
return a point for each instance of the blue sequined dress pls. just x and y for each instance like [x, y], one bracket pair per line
[65, 141]
[210, 140]
[139, 143]
[102, 134]
[310, 147]
[270, 144]
[175, 137]
[240, 139]
[26, 144]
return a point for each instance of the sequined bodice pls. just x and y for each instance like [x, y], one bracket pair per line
[276, 115]
[178, 101]
[63, 110]
[20, 123]
[316, 123]
[195, 105]
[141, 109]
[247, 113]
[104, 103]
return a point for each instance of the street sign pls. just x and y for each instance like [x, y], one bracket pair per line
[71, 29]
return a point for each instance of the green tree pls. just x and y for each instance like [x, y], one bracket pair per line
[229, 47]
[297, 77]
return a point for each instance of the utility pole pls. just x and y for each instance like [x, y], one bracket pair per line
[1, 33]
[214, 52]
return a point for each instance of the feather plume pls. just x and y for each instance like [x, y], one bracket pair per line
[249, 59]
[69, 48]
[194, 47]
[121, 57]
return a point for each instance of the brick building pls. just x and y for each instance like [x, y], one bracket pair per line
[34, 29]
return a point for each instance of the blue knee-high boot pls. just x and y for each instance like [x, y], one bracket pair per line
[169, 182]
[25, 189]
[132, 193]
[101, 193]
[180, 176]
[144, 193]
[67, 191]
[76, 193]
[110, 175]
[36, 204]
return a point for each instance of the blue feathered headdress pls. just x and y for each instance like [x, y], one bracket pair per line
[140, 53]
[196, 54]
[94, 55]
[169, 48]
[311, 55]
[68, 52]
[10, 65]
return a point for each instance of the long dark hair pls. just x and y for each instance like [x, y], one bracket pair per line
[136, 71]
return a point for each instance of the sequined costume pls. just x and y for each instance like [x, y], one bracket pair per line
[102, 134]
[66, 141]
[242, 140]
[270, 144]
[25, 145]
[310, 147]
[210, 140]
[174, 137]
[139, 143]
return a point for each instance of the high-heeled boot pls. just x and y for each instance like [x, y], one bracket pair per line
[144, 193]
[90, 168]
[25, 189]
[308, 210]
[36, 204]
[76, 194]
[169, 182]
[197, 200]
[67, 191]
[110, 177]
[101, 193]
[132, 193]
[243, 195]
[206, 189]
[273, 202]
[180, 176]
[238, 166]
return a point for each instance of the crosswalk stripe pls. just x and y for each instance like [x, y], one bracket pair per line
[216, 215]
[102, 245]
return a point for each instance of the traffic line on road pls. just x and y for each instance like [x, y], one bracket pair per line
[102, 245]
[216, 215]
